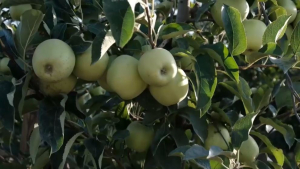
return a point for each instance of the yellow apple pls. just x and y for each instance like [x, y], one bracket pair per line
[290, 8]
[63, 86]
[53, 60]
[4, 66]
[214, 138]
[103, 79]
[172, 93]
[157, 67]
[140, 137]
[83, 68]
[254, 30]
[17, 10]
[241, 5]
[249, 150]
[124, 79]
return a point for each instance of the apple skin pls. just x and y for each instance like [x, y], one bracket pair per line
[140, 137]
[83, 68]
[4, 66]
[53, 60]
[214, 138]
[290, 8]
[172, 93]
[17, 11]
[103, 79]
[254, 30]
[64, 86]
[157, 67]
[124, 79]
[240, 5]
[186, 63]
[249, 150]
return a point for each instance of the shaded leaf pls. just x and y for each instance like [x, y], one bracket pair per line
[58, 31]
[78, 44]
[6, 109]
[121, 135]
[179, 151]
[295, 38]
[160, 135]
[180, 137]
[173, 30]
[271, 48]
[261, 97]
[196, 151]
[284, 63]
[34, 143]
[96, 149]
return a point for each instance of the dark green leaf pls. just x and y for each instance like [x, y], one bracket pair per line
[295, 39]
[271, 48]
[165, 161]
[173, 30]
[9, 3]
[6, 109]
[196, 151]
[200, 11]
[78, 44]
[58, 31]
[180, 137]
[235, 31]
[261, 97]
[121, 135]
[34, 143]
[160, 135]
[102, 42]
[95, 148]
[179, 151]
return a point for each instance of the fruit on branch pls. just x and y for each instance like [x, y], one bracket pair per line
[214, 138]
[53, 60]
[16, 11]
[84, 69]
[249, 150]
[64, 86]
[290, 8]
[241, 5]
[124, 79]
[157, 67]
[4, 66]
[172, 93]
[140, 137]
[254, 30]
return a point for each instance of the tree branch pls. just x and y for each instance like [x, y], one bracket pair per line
[149, 26]
[183, 11]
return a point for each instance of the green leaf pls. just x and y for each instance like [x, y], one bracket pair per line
[58, 31]
[173, 30]
[235, 31]
[9, 3]
[29, 25]
[102, 42]
[261, 97]
[6, 109]
[220, 53]
[284, 63]
[196, 151]
[42, 158]
[179, 151]
[34, 143]
[78, 44]
[120, 15]
[160, 135]
[165, 161]
[201, 10]
[241, 129]
[271, 48]
[277, 153]
[286, 130]
[96, 149]
[121, 135]
[51, 118]
[199, 123]
[275, 29]
[295, 39]
[179, 137]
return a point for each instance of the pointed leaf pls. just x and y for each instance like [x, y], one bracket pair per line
[160, 135]
[34, 143]
[96, 149]
[179, 151]
[284, 63]
[173, 30]
[275, 29]
[295, 39]
[196, 151]
[271, 48]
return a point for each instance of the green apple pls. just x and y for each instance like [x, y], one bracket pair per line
[103, 79]
[241, 5]
[290, 8]
[64, 86]
[96, 91]
[157, 67]
[186, 63]
[124, 79]
[140, 137]
[214, 138]
[84, 69]
[254, 30]
[17, 10]
[172, 93]
[249, 150]
[4, 66]
[53, 60]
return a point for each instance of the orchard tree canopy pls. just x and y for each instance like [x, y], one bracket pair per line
[144, 84]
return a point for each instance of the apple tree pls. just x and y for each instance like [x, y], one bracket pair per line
[144, 84]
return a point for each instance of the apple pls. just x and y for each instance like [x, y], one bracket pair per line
[124, 79]
[254, 30]
[140, 137]
[64, 86]
[157, 67]
[186, 63]
[249, 150]
[103, 79]
[214, 138]
[83, 68]
[4, 66]
[290, 8]
[53, 60]
[172, 93]
[241, 5]
[16, 11]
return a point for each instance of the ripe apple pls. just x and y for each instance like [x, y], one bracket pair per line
[140, 137]
[157, 67]
[55, 88]
[83, 68]
[83, 99]
[53, 60]
[124, 79]
[172, 93]
[4, 66]
[214, 138]
[240, 5]
[17, 10]
[290, 8]
[103, 79]
[254, 30]
[249, 150]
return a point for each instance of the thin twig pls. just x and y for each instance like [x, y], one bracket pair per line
[149, 26]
